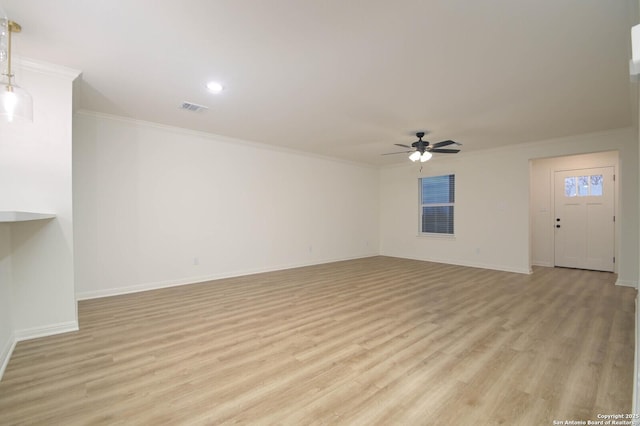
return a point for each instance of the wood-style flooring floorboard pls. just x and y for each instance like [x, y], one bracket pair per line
[363, 342]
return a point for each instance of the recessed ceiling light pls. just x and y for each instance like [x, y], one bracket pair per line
[214, 87]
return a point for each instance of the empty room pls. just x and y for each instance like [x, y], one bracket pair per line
[300, 212]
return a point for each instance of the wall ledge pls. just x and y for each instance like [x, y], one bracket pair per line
[16, 216]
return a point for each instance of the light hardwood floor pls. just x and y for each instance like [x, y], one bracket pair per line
[370, 341]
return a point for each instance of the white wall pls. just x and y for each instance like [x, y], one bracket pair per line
[636, 371]
[158, 206]
[492, 204]
[7, 337]
[542, 205]
[488, 200]
[36, 258]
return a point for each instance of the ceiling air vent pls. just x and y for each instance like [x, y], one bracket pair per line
[190, 106]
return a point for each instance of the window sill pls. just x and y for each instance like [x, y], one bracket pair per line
[437, 236]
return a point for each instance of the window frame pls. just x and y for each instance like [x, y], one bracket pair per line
[577, 187]
[421, 205]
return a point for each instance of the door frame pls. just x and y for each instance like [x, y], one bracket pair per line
[542, 200]
[614, 207]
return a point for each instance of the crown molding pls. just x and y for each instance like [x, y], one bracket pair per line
[29, 64]
[216, 137]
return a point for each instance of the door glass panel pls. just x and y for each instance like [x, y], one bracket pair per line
[570, 186]
[583, 186]
[596, 185]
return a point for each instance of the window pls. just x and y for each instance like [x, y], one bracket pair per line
[437, 198]
[583, 186]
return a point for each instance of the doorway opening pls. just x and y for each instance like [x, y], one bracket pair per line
[574, 200]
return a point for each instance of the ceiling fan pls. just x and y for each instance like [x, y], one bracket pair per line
[422, 150]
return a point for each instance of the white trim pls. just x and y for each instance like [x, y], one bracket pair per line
[627, 283]
[35, 65]
[635, 403]
[527, 271]
[86, 295]
[220, 138]
[543, 264]
[5, 354]
[32, 333]
[615, 202]
[436, 235]
[48, 330]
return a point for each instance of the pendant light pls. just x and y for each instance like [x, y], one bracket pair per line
[15, 102]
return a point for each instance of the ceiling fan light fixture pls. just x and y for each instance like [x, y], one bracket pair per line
[423, 150]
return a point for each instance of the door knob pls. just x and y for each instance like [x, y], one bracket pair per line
[557, 226]
[557, 219]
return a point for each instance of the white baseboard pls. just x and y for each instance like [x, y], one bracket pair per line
[635, 404]
[95, 294]
[49, 330]
[479, 265]
[5, 354]
[627, 283]
[542, 263]
[32, 333]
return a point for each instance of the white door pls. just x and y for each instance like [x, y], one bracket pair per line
[584, 218]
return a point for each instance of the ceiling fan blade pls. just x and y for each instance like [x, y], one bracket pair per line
[393, 153]
[443, 143]
[404, 146]
[444, 150]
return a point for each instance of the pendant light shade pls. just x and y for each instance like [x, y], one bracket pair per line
[415, 156]
[15, 102]
[426, 156]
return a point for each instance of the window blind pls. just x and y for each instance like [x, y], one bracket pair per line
[437, 204]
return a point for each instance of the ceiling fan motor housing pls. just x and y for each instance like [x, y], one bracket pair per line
[420, 145]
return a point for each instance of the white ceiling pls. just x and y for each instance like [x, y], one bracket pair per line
[344, 78]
